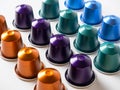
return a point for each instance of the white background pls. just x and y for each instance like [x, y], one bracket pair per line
[8, 79]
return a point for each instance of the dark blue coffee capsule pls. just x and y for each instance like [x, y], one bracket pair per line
[92, 13]
[40, 32]
[23, 16]
[110, 28]
[74, 4]
[59, 51]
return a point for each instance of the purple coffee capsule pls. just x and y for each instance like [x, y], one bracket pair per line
[59, 51]
[40, 32]
[80, 72]
[23, 16]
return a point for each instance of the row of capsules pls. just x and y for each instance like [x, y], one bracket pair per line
[79, 72]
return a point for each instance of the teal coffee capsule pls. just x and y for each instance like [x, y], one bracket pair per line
[86, 40]
[49, 9]
[108, 58]
[68, 22]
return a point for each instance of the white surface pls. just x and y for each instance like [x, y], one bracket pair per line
[8, 79]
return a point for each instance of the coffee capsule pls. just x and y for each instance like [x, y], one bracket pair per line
[68, 22]
[87, 39]
[79, 73]
[40, 32]
[59, 51]
[23, 16]
[3, 25]
[49, 9]
[74, 4]
[28, 64]
[108, 58]
[110, 28]
[92, 13]
[11, 43]
[49, 79]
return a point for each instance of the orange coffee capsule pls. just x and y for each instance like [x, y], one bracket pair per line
[11, 43]
[49, 79]
[3, 25]
[28, 64]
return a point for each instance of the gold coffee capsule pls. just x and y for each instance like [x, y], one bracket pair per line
[49, 79]
[11, 43]
[3, 25]
[28, 64]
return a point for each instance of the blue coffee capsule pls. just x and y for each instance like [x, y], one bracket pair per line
[110, 28]
[92, 14]
[74, 4]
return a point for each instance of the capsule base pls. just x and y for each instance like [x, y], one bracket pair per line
[8, 59]
[83, 85]
[25, 78]
[69, 34]
[101, 37]
[62, 89]
[46, 17]
[58, 63]
[104, 71]
[37, 45]
[90, 51]
[21, 29]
